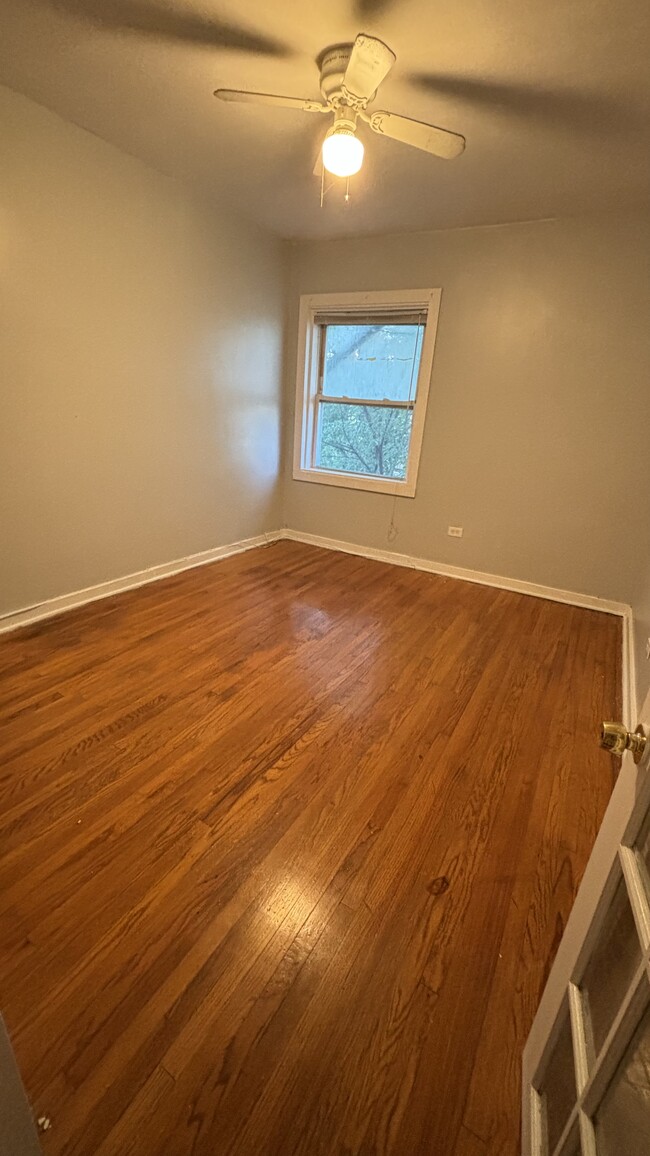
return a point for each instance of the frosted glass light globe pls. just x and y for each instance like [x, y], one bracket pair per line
[342, 152]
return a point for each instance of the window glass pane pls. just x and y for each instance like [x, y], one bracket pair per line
[559, 1085]
[363, 439]
[379, 362]
[615, 958]
[623, 1119]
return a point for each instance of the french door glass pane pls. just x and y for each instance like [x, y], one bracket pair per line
[643, 842]
[613, 963]
[374, 362]
[574, 1147]
[623, 1119]
[571, 1146]
[559, 1085]
[363, 439]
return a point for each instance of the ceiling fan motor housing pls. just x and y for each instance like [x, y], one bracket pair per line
[333, 64]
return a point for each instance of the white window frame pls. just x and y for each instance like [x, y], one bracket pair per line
[428, 300]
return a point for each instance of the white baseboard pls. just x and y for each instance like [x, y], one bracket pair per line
[52, 606]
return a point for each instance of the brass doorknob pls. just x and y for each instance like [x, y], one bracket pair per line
[617, 738]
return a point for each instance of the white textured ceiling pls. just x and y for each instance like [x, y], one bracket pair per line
[553, 97]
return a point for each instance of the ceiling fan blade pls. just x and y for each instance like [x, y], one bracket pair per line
[165, 22]
[370, 62]
[561, 105]
[438, 141]
[371, 9]
[243, 97]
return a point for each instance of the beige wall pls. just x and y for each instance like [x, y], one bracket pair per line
[541, 370]
[139, 361]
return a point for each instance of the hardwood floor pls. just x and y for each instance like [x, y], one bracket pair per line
[288, 843]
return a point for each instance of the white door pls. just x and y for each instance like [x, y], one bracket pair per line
[586, 1064]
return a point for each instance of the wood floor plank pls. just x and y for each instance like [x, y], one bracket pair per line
[288, 843]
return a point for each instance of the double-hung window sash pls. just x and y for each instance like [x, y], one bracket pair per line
[383, 387]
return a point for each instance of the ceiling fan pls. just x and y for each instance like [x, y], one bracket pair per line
[350, 75]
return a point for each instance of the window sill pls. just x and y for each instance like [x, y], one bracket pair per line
[401, 489]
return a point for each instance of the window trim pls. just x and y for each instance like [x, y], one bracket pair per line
[307, 385]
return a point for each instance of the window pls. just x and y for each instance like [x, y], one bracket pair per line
[364, 365]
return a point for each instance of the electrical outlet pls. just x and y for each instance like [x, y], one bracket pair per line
[455, 531]
[647, 649]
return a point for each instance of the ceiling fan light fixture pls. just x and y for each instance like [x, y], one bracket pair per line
[342, 152]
